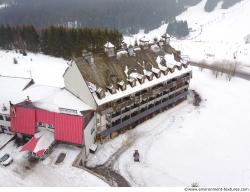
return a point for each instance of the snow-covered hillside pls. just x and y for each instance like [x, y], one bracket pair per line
[2, 6]
[208, 144]
[45, 70]
[216, 36]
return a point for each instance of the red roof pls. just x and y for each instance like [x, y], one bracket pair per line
[31, 145]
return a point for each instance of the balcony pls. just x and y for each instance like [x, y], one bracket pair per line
[137, 116]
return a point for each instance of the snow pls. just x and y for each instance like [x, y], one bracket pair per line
[208, 144]
[46, 139]
[52, 99]
[4, 138]
[171, 61]
[45, 173]
[109, 45]
[138, 87]
[2, 6]
[144, 39]
[47, 93]
[216, 36]
[10, 87]
[45, 70]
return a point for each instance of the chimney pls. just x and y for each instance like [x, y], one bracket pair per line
[109, 49]
[144, 43]
[88, 57]
[27, 101]
[130, 50]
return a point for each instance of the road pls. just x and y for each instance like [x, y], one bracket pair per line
[238, 73]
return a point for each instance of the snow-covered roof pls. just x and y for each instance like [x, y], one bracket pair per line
[130, 90]
[121, 53]
[40, 142]
[155, 48]
[10, 87]
[171, 61]
[109, 45]
[147, 73]
[43, 69]
[52, 99]
[155, 70]
[144, 39]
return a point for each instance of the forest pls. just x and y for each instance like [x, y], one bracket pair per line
[128, 16]
[57, 41]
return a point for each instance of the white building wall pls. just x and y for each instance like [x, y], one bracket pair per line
[4, 124]
[75, 83]
[89, 135]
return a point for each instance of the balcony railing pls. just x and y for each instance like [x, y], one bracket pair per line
[141, 115]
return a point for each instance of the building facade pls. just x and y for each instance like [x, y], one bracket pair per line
[129, 86]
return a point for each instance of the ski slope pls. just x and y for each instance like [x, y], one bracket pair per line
[218, 36]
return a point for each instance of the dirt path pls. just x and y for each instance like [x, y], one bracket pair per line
[107, 169]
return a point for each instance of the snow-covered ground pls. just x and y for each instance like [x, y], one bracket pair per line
[45, 173]
[2, 6]
[216, 36]
[45, 70]
[208, 144]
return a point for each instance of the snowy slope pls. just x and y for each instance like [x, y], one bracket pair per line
[216, 36]
[2, 6]
[207, 144]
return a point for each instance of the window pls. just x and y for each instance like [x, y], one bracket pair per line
[87, 118]
[7, 118]
[2, 127]
[92, 130]
[50, 126]
[1, 117]
[40, 124]
[68, 111]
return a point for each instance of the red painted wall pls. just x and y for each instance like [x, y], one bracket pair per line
[69, 128]
[45, 116]
[24, 122]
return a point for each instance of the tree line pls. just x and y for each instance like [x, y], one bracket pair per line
[178, 28]
[57, 41]
[128, 16]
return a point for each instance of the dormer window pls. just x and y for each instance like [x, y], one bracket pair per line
[122, 85]
[112, 89]
[100, 93]
[141, 78]
[157, 72]
[149, 75]
[132, 81]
